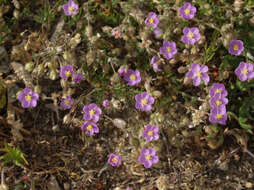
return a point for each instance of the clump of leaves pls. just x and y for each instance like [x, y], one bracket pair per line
[13, 155]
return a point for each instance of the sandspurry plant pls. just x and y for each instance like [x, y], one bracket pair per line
[66, 102]
[187, 11]
[132, 77]
[70, 8]
[155, 63]
[244, 71]
[168, 49]
[90, 127]
[150, 133]
[190, 35]
[114, 160]
[144, 101]
[66, 71]
[148, 157]
[28, 98]
[152, 20]
[77, 78]
[198, 73]
[236, 47]
[218, 101]
[218, 115]
[92, 112]
[218, 88]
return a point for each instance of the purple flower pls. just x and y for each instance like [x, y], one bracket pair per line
[244, 71]
[168, 49]
[77, 78]
[191, 35]
[235, 47]
[148, 157]
[218, 115]
[155, 63]
[114, 160]
[218, 88]
[116, 33]
[106, 103]
[218, 101]
[150, 133]
[198, 73]
[122, 70]
[144, 101]
[132, 77]
[152, 20]
[66, 71]
[90, 127]
[157, 32]
[92, 112]
[28, 98]
[187, 11]
[70, 8]
[67, 102]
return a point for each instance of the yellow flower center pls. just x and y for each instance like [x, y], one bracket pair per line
[66, 102]
[115, 160]
[187, 11]
[133, 77]
[190, 35]
[92, 112]
[144, 101]
[217, 91]
[89, 127]
[218, 116]
[28, 97]
[71, 9]
[245, 71]
[235, 47]
[198, 74]
[148, 157]
[150, 133]
[168, 49]
[151, 21]
[218, 102]
[68, 73]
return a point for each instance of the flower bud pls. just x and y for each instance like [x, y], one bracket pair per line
[16, 14]
[119, 123]
[156, 94]
[116, 104]
[75, 40]
[182, 69]
[29, 66]
[40, 69]
[16, 4]
[67, 55]
[67, 119]
[53, 75]
[37, 89]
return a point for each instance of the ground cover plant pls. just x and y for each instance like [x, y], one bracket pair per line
[126, 94]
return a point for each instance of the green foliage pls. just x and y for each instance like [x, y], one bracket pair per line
[13, 155]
